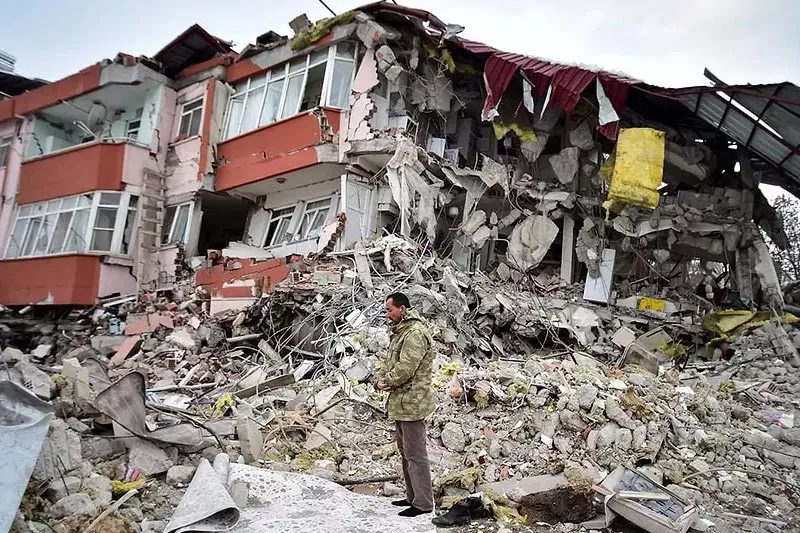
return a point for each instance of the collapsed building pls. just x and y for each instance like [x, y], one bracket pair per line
[224, 224]
[385, 120]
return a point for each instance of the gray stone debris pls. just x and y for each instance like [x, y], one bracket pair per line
[615, 413]
[61, 452]
[453, 437]
[180, 475]
[80, 503]
[148, 458]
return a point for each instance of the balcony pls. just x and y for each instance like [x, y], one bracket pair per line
[55, 280]
[285, 146]
[98, 165]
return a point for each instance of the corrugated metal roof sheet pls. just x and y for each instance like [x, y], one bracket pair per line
[567, 81]
[763, 118]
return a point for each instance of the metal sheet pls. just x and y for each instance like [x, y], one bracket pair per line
[24, 420]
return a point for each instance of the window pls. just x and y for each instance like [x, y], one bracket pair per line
[5, 148]
[320, 78]
[313, 219]
[277, 230]
[132, 132]
[176, 224]
[190, 119]
[88, 222]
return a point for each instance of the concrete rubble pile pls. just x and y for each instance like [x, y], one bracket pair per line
[531, 395]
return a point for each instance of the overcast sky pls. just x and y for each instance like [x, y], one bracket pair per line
[661, 42]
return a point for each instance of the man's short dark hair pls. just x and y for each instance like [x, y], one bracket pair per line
[399, 299]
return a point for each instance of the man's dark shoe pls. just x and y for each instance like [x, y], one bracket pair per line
[411, 512]
[462, 513]
[401, 503]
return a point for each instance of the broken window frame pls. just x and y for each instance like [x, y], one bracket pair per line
[277, 218]
[5, 149]
[311, 212]
[76, 215]
[169, 236]
[284, 74]
[187, 117]
[294, 232]
[133, 126]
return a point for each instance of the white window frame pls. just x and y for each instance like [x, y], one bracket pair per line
[282, 73]
[170, 234]
[134, 126]
[5, 149]
[286, 237]
[296, 218]
[40, 210]
[189, 115]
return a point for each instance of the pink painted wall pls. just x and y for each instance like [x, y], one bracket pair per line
[117, 278]
[184, 177]
[137, 158]
[10, 177]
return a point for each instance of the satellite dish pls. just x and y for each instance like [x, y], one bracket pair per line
[97, 114]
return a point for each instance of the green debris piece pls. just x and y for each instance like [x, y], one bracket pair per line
[450, 369]
[501, 509]
[518, 388]
[222, 404]
[306, 38]
[121, 487]
[466, 479]
[481, 399]
[60, 380]
[673, 350]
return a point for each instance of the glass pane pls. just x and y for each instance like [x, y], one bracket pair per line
[60, 234]
[15, 245]
[293, 90]
[193, 105]
[234, 116]
[48, 225]
[340, 83]
[194, 128]
[106, 217]
[252, 109]
[76, 240]
[25, 210]
[38, 209]
[126, 236]
[30, 235]
[276, 233]
[297, 65]
[110, 198]
[319, 204]
[53, 205]
[85, 200]
[320, 56]
[346, 50]
[3, 153]
[240, 88]
[169, 216]
[69, 203]
[270, 112]
[101, 240]
[133, 202]
[313, 92]
[258, 81]
[179, 235]
[183, 130]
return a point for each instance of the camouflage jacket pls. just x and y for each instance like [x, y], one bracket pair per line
[407, 370]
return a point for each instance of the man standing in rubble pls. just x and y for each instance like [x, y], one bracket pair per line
[407, 377]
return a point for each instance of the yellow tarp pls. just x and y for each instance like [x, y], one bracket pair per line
[731, 322]
[652, 304]
[638, 168]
